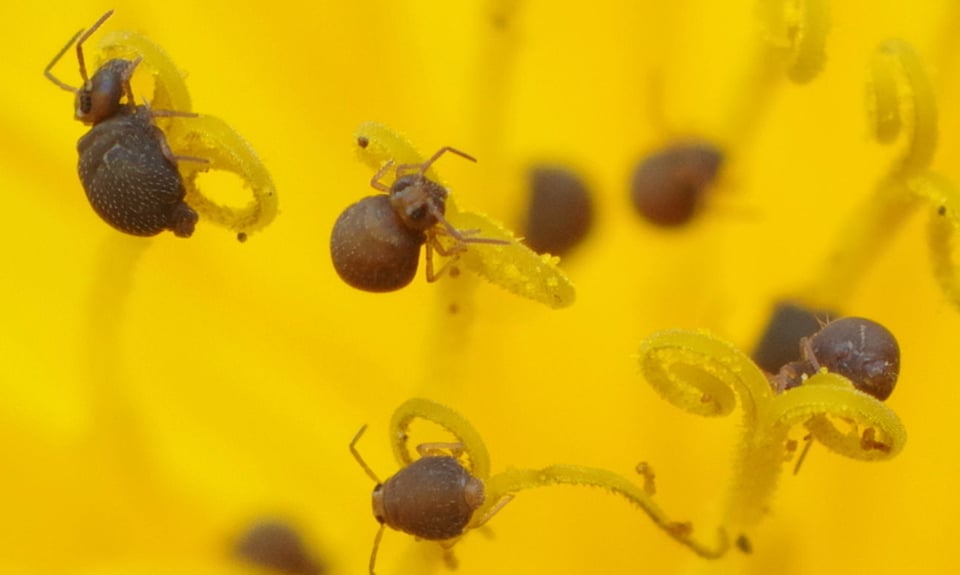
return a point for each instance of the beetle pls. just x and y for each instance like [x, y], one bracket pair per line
[857, 348]
[375, 242]
[432, 498]
[127, 170]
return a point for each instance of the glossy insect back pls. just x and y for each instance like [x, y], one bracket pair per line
[668, 186]
[372, 249]
[127, 171]
[859, 349]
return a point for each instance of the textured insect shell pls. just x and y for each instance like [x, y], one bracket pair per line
[129, 180]
[372, 249]
[432, 498]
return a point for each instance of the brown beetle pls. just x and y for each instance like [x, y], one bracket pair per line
[432, 498]
[127, 170]
[375, 243]
[668, 186]
[859, 349]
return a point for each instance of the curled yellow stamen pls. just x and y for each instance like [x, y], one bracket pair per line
[512, 265]
[900, 107]
[512, 481]
[942, 230]
[213, 139]
[501, 487]
[170, 90]
[900, 101]
[702, 374]
[446, 418]
[202, 137]
[799, 28]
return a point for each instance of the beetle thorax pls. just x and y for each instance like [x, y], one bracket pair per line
[100, 96]
[418, 200]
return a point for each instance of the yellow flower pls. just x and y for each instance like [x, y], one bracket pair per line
[161, 395]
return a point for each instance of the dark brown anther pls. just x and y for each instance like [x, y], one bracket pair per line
[560, 212]
[789, 323]
[668, 186]
[432, 498]
[127, 170]
[277, 545]
[375, 243]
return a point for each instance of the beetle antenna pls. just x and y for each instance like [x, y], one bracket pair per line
[426, 165]
[49, 74]
[83, 38]
[376, 547]
[363, 464]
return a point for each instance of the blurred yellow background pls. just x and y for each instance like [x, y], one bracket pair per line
[158, 395]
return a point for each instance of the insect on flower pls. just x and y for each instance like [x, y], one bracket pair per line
[859, 349]
[127, 170]
[432, 498]
[375, 243]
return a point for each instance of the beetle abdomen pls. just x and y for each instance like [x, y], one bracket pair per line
[432, 498]
[130, 181]
[371, 247]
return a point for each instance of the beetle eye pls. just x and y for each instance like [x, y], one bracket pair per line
[401, 184]
[84, 102]
[418, 213]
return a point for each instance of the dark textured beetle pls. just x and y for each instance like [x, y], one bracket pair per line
[432, 498]
[127, 170]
